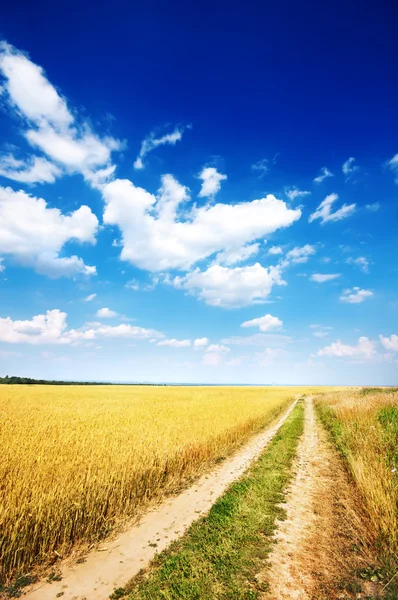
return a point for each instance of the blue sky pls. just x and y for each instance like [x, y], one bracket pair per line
[199, 193]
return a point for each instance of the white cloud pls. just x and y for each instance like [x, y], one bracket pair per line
[175, 343]
[106, 313]
[2, 267]
[294, 193]
[152, 142]
[90, 297]
[390, 343]
[211, 182]
[218, 348]
[364, 348]
[201, 342]
[265, 323]
[373, 207]
[153, 241]
[349, 167]
[97, 330]
[262, 167]
[300, 254]
[214, 354]
[355, 296]
[237, 255]
[274, 250]
[34, 170]
[325, 214]
[53, 127]
[325, 173]
[33, 234]
[41, 329]
[360, 262]
[393, 165]
[322, 277]
[231, 287]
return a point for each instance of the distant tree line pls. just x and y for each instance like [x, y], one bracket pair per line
[29, 381]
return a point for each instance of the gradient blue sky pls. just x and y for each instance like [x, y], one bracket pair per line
[199, 193]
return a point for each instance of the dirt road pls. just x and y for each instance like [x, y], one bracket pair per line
[313, 556]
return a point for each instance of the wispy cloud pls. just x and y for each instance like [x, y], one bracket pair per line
[355, 295]
[294, 193]
[151, 142]
[322, 277]
[325, 214]
[349, 167]
[325, 173]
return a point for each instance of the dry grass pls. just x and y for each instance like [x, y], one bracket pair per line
[365, 427]
[78, 461]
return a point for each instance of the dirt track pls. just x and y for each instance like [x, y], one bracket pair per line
[123, 557]
[313, 556]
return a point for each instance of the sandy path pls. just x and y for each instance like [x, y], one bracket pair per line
[123, 557]
[313, 556]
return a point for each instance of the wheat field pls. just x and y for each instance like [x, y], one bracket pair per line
[79, 461]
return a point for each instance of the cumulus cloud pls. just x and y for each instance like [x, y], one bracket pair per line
[173, 343]
[51, 328]
[322, 277]
[300, 254]
[106, 313]
[151, 142]
[211, 182]
[41, 329]
[231, 287]
[152, 239]
[33, 170]
[90, 297]
[355, 295]
[390, 343]
[274, 250]
[349, 167]
[265, 323]
[365, 348]
[218, 348]
[325, 214]
[361, 262]
[51, 126]
[325, 173]
[32, 234]
[201, 342]
[294, 193]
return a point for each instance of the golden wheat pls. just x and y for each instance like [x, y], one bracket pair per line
[78, 460]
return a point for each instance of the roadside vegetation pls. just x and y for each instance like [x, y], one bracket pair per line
[79, 462]
[364, 426]
[223, 554]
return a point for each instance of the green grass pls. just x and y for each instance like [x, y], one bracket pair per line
[223, 552]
